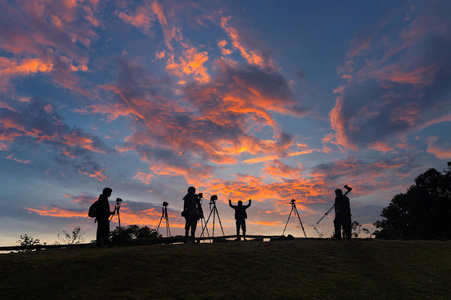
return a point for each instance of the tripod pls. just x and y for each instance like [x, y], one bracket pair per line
[164, 215]
[117, 209]
[294, 209]
[214, 212]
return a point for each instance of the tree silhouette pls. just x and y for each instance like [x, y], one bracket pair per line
[423, 212]
[75, 237]
[27, 241]
[357, 229]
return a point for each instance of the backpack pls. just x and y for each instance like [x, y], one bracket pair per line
[92, 210]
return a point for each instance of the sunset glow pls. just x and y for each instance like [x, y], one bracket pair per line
[262, 100]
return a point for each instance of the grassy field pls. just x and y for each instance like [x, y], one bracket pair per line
[298, 269]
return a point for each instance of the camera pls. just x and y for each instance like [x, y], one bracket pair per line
[213, 198]
[165, 203]
[292, 201]
[200, 195]
[118, 200]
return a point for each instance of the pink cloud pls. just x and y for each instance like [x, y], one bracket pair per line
[22, 161]
[395, 94]
[254, 57]
[359, 44]
[442, 152]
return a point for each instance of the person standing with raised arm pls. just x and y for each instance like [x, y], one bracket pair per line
[240, 217]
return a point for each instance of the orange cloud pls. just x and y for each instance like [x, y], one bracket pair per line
[143, 177]
[192, 63]
[74, 139]
[57, 212]
[96, 174]
[224, 51]
[338, 124]
[266, 223]
[24, 67]
[278, 169]
[252, 56]
[143, 18]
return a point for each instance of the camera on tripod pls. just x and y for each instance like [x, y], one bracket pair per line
[292, 201]
[213, 198]
[165, 203]
[118, 200]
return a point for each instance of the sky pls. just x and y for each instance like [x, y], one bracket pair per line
[262, 100]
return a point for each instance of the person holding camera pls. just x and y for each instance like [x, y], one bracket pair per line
[240, 217]
[103, 214]
[192, 212]
[342, 215]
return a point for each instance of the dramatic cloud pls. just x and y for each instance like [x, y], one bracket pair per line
[36, 122]
[391, 96]
[150, 97]
[45, 37]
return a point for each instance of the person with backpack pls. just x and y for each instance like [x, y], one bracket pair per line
[102, 215]
[192, 212]
[240, 217]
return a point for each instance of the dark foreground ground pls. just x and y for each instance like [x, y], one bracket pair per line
[298, 269]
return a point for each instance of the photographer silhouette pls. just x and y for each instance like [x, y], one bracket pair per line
[192, 212]
[102, 217]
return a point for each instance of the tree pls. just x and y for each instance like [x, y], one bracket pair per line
[357, 229]
[424, 211]
[27, 241]
[75, 237]
[319, 233]
[133, 232]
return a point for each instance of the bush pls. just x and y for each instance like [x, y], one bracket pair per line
[133, 232]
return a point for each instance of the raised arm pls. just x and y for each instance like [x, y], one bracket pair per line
[250, 202]
[230, 204]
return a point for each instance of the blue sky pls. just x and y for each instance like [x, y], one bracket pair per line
[262, 100]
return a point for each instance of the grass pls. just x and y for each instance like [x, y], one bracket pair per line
[299, 269]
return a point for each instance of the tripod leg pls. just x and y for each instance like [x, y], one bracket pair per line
[325, 214]
[287, 221]
[302, 226]
[203, 223]
[203, 229]
[219, 219]
[159, 223]
[168, 228]
[214, 217]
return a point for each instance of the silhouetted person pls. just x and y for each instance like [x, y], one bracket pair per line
[240, 217]
[192, 211]
[103, 214]
[342, 215]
